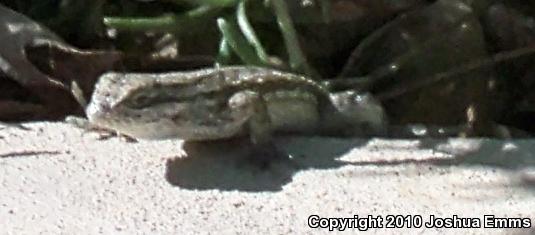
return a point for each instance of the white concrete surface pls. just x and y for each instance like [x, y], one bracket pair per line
[57, 179]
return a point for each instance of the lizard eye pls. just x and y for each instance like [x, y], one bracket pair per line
[139, 100]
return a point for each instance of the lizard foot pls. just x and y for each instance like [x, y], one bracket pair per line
[103, 133]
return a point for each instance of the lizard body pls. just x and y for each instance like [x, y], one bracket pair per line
[220, 103]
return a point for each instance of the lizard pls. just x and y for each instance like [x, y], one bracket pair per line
[225, 102]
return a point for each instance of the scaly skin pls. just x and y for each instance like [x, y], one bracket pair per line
[225, 102]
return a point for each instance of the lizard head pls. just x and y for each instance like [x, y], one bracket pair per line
[158, 106]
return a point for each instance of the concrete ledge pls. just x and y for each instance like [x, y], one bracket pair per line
[59, 179]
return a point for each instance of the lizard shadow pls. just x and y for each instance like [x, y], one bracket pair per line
[227, 165]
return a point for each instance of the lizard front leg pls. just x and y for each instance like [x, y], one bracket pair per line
[258, 125]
